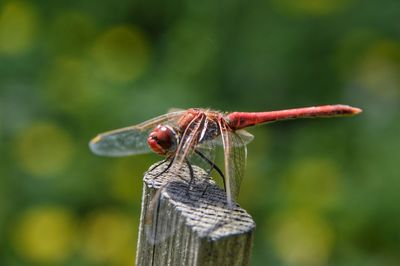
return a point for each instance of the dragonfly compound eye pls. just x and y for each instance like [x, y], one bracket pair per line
[162, 140]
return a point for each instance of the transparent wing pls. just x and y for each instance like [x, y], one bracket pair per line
[204, 157]
[174, 109]
[245, 136]
[235, 154]
[129, 140]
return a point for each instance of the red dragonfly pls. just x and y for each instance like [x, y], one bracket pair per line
[194, 133]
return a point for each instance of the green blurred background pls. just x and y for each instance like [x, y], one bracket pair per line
[322, 192]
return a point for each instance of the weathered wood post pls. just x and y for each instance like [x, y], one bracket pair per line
[189, 222]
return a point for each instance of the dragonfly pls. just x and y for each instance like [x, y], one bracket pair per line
[184, 135]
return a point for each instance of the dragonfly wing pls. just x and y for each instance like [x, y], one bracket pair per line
[204, 156]
[174, 109]
[245, 136]
[130, 140]
[235, 154]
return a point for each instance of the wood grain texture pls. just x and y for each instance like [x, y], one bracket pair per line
[188, 222]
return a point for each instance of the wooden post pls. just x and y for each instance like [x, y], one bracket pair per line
[187, 222]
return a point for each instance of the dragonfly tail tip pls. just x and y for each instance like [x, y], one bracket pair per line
[357, 110]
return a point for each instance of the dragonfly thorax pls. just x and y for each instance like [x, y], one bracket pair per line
[163, 140]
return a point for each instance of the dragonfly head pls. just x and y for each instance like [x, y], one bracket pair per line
[163, 140]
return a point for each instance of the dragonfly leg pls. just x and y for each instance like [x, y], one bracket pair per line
[213, 166]
[160, 163]
[171, 160]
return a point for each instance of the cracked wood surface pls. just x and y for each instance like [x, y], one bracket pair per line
[188, 222]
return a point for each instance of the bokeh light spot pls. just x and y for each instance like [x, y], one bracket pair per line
[350, 49]
[17, 28]
[121, 54]
[109, 237]
[123, 185]
[379, 70]
[45, 234]
[70, 86]
[72, 33]
[313, 182]
[312, 7]
[372, 75]
[301, 237]
[44, 149]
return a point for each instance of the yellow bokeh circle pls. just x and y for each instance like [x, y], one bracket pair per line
[312, 7]
[108, 237]
[378, 71]
[45, 234]
[71, 33]
[69, 85]
[313, 183]
[121, 54]
[301, 237]
[123, 179]
[18, 23]
[44, 149]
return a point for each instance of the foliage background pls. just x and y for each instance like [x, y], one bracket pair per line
[323, 192]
